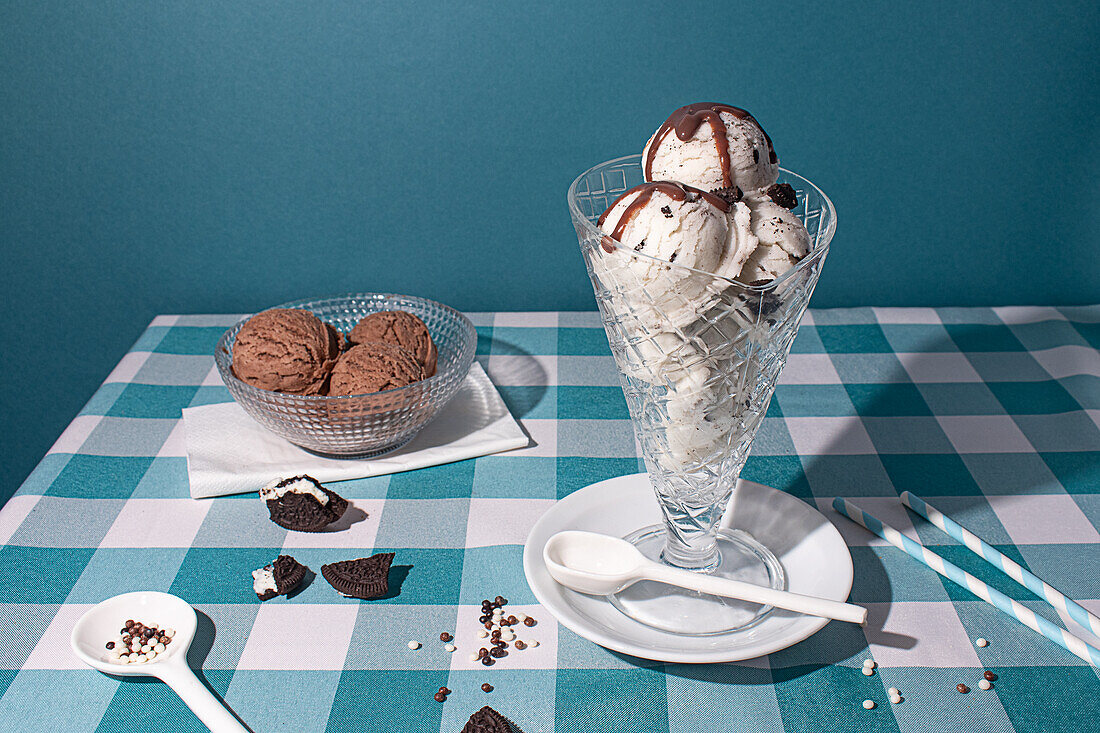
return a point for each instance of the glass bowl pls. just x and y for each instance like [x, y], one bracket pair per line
[360, 425]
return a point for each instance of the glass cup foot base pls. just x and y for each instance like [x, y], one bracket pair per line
[680, 611]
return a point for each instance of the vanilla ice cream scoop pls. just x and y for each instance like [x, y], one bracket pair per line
[783, 240]
[711, 146]
[671, 222]
[668, 223]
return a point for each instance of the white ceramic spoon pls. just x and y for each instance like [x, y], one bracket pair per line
[102, 623]
[600, 565]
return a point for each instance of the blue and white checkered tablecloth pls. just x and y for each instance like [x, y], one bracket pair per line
[991, 414]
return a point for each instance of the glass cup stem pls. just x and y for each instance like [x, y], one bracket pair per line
[697, 551]
[690, 540]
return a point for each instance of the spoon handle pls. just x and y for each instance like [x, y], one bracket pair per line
[202, 702]
[811, 605]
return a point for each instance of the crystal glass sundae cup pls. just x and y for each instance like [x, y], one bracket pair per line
[698, 356]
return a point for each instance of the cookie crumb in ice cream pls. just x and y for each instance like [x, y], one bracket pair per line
[730, 194]
[667, 211]
[783, 194]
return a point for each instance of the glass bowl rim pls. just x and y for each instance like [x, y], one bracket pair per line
[824, 238]
[227, 373]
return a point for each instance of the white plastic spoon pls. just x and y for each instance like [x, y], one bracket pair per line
[600, 565]
[102, 623]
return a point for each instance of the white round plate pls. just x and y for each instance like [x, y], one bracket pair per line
[814, 556]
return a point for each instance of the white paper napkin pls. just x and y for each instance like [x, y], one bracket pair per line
[230, 453]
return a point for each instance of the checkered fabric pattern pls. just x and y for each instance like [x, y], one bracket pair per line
[990, 414]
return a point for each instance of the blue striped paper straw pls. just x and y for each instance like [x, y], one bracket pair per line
[1002, 562]
[994, 597]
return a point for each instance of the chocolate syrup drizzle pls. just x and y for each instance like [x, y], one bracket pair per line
[686, 122]
[675, 191]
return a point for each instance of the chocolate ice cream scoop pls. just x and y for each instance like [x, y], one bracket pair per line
[286, 350]
[372, 367]
[402, 329]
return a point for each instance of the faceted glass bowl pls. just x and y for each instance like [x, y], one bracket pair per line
[360, 425]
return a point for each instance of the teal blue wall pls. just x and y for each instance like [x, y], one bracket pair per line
[206, 156]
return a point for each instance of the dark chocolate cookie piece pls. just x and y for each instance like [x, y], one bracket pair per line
[366, 578]
[783, 194]
[488, 720]
[299, 509]
[287, 574]
[730, 194]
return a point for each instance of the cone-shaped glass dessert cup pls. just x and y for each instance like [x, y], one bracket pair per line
[698, 357]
